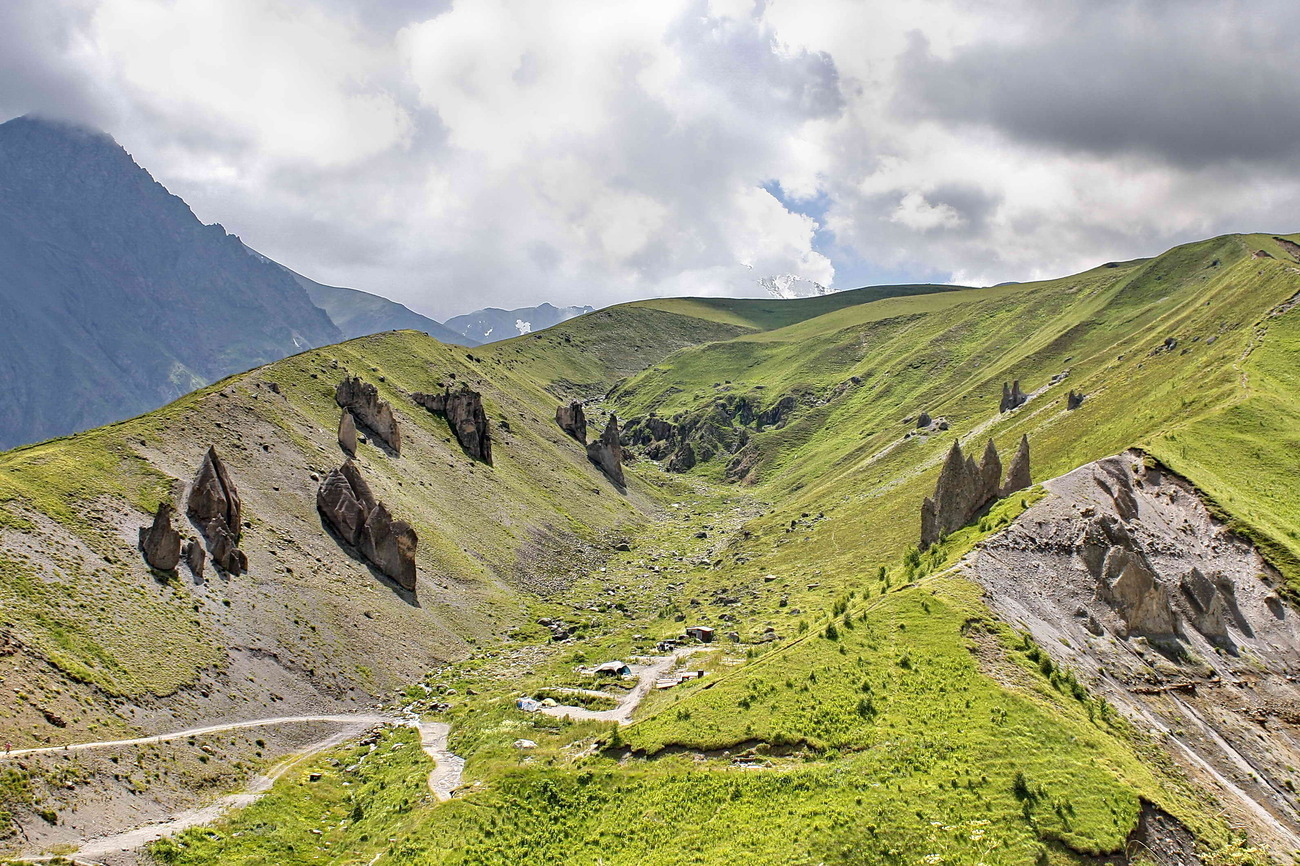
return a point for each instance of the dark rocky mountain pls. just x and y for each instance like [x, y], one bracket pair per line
[360, 314]
[492, 324]
[114, 297]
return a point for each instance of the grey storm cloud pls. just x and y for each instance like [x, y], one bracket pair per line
[454, 154]
[1192, 82]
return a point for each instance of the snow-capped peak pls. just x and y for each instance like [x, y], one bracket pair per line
[792, 286]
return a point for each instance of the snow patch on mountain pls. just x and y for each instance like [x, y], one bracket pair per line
[788, 286]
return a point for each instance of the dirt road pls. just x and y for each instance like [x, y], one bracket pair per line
[365, 720]
[130, 840]
[445, 778]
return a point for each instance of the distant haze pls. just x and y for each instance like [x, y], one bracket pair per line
[459, 154]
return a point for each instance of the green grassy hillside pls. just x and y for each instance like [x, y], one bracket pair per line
[892, 719]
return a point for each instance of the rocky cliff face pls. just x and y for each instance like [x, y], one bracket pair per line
[348, 507]
[607, 452]
[464, 412]
[215, 508]
[572, 420]
[362, 400]
[116, 298]
[965, 488]
[1122, 575]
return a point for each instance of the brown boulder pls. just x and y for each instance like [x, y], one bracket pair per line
[215, 508]
[607, 452]
[572, 420]
[350, 509]
[160, 543]
[463, 410]
[348, 433]
[362, 400]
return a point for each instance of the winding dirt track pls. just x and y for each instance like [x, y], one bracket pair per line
[130, 840]
[445, 778]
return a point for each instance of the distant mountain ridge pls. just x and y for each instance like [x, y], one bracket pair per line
[359, 314]
[115, 298]
[492, 324]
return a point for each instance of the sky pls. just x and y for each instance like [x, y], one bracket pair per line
[456, 154]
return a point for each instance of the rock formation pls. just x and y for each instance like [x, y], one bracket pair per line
[463, 410]
[348, 433]
[607, 453]
[1074, 400]
[923, 420]
[194, 556]
[965, 488]
[1018, 475]
[683, 460]
[358, 518]
[573, 420]
[160, 543]
[214, 507]
[1012, 397]
[362, 400]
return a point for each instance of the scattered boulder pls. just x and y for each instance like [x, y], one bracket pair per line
[607, 452]
[362, 400]
[463, 410]
[351, 510]
[1012, 397]
[572, 420]
[1074, 400]
[965, 488]
[923, 420]
[215, 508]
[160, 543]
[348, 433]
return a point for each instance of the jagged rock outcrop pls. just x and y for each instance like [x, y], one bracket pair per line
[160, 542]
[1018, 477]
[965, 488]
[923, 420]
[1074, 400]
[194, 556]
[572, 420]
[683, 460]
[348, 506]
[463, 410]
[362, 400]
[1124, 576]
[607, 452]
[1012, 397]
[348, 433]
[215, 508]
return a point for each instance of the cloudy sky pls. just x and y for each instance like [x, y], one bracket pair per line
[453, 154]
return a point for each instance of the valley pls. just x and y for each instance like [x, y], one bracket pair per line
[863, 699]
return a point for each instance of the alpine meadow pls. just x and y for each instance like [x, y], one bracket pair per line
[716, 469]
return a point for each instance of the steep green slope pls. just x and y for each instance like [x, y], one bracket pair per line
[893, 720]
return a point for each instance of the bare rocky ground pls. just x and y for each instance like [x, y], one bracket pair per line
[1122, 575]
